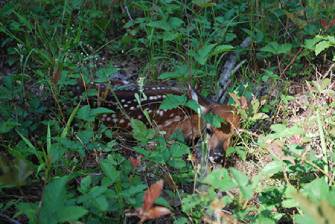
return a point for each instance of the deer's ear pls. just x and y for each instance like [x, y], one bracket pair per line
[203, 102]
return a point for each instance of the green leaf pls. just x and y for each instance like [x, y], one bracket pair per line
[289, 201]
[179, 149]
[242, 182]
[140, 131]
[28, 209]
[320, 212]
[31, 147]
[53, 199]
[71, 213]
[170, 36]
[192, 104]
[85, 184]
[310, 43]
[109, 170]
[203, 53]
[204, 3]
[181, 71]
[104, 74]
[240, 178]
[222, 49]
[272, 168]
[181, 220]
[100, 110]
[172, 102]
[214, 119]
[276, 49]
[278, 127]
[220, 179]
[177, 163]
[69, 121]
[175, 22]
[160, 24]
[87, 114]
[7, 126]
[321, 46]
[317, 190]
[259, 116]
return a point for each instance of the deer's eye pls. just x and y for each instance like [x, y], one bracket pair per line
[209, 131]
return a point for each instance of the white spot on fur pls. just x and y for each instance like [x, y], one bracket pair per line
[125, 105]
[121, 121]
[132, 108]
[123, 100]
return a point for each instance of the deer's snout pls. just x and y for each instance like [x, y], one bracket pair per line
[217, 154]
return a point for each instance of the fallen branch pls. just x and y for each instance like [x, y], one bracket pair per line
[228, 70]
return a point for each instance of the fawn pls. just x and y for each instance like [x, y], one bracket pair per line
[126, 106]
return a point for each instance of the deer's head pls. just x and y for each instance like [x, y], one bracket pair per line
[218, 137]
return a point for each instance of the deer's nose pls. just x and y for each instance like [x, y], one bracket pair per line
[216, 156]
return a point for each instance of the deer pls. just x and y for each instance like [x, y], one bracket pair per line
[127, 106]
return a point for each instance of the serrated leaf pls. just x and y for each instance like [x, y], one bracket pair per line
[276, 48]
[220, 179]
[140, 131]
[179, 149]
[177, 163]
[109, 170]
[172, 102]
